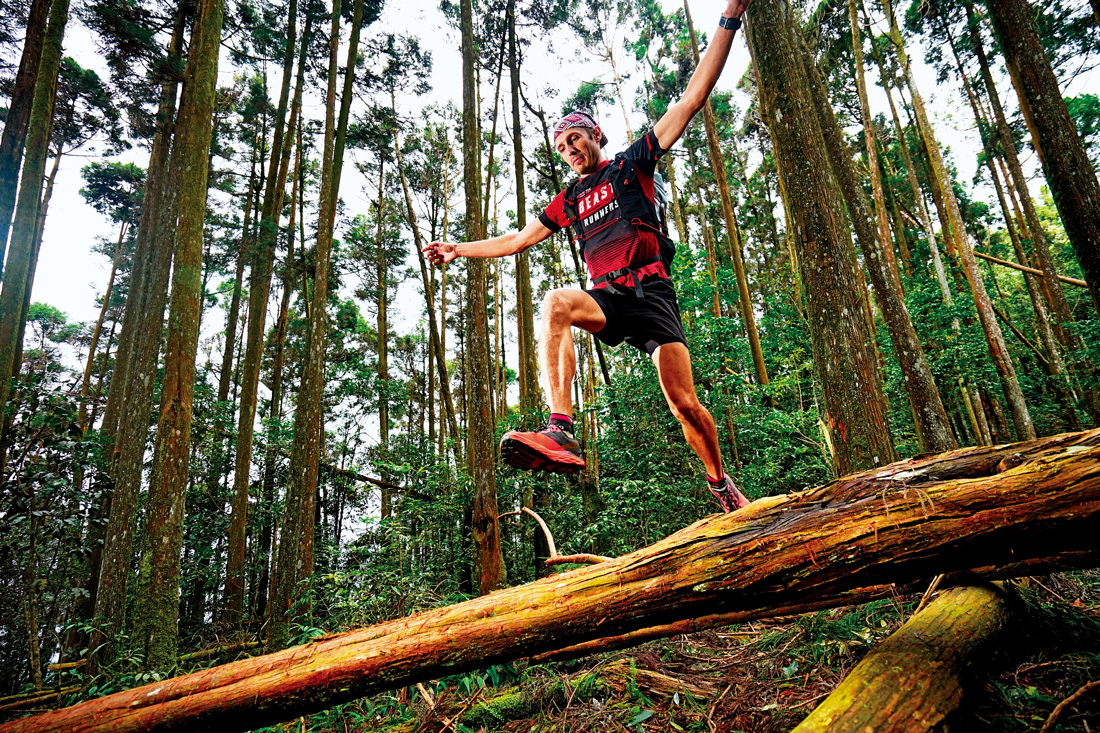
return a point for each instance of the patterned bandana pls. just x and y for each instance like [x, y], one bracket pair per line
[577, 119]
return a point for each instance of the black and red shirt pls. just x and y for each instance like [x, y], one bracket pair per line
[609, 240]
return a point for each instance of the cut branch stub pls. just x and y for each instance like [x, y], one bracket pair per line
[555, 558]
[1034, 504]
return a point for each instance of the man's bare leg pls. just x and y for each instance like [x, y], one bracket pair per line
[555, 448]
[561, 310]
[674, 372]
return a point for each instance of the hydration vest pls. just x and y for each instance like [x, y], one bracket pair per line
[634, 207]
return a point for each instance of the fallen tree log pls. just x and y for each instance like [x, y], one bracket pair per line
[912, 681]
[978, 508]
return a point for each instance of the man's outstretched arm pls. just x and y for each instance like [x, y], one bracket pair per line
[673, 123]
[502, 246]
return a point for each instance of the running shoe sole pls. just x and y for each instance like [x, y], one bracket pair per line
[519, 453]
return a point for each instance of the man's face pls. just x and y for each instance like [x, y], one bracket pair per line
[579, 147]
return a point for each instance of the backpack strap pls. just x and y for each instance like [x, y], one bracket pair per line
[632, 271]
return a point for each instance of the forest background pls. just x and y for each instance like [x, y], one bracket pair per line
[298, 435]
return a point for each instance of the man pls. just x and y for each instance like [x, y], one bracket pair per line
[612, 210]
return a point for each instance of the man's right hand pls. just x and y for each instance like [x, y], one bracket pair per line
[440, 253]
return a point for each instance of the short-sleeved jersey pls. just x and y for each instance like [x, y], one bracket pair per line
[612, 241]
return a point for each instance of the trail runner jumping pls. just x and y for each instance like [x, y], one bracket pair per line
[613, 211]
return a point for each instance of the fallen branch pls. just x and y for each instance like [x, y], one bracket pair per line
[1032, 270]
[15, 702]
[1061, 707]
[214, 651]
[1009, 506]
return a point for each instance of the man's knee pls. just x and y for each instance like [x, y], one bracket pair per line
[688, 409]
[557, 309]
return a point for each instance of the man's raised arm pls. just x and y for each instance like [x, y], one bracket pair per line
[673, 123]
[502, 246]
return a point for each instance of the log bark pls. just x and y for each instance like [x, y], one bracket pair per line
[989, 510]
[914, 680]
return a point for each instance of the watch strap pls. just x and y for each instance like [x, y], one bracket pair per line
[731, 23]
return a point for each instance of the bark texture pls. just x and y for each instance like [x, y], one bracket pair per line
[1072, 180]
[24, 229]
[19, 115]
[913, 681]
[488, 562]
[854, 409]
[994, 511]
[157, 606]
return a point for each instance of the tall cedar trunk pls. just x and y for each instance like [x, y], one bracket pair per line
[1050, 285]
[275, 416]
[110, 533]
[955, 232]
[854, 408]
[20, 258]
[930, 415]
[1070, 175]
[295, 555]
[19, 115]
[262, 259]
[718, 164]
[530, 395]
[488, 561]
[434, 336]
[157, 605]
[93, 345]
[995, 512]
[1053, 359]
[382, 331]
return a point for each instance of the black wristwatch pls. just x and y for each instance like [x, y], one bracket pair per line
[731, 23]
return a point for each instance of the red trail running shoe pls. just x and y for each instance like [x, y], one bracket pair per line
[728, 495]
[550, 449]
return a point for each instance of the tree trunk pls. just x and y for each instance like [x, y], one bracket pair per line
[718, 164]
[996, 512]
[93, 345]
[912, 681]
[488, 561]
[19, 115]
[157, 605]
[295, 556]
[930, 415]
[1070, 175]
[262, 259]
[1051, 287]
[20, 259]
[854, 409]
[126, 415]
[435, 339]
[956, 232]
[382, 334]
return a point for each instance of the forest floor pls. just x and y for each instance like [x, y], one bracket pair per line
[760, 677]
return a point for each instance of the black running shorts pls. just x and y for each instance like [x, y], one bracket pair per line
[644, 323]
